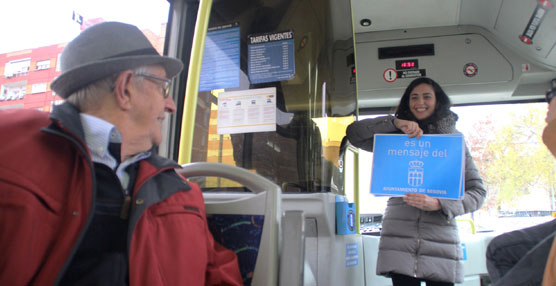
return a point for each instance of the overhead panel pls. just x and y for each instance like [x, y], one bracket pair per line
[403, 14]
[460, 63]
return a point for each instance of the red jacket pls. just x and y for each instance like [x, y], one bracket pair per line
[47, 192]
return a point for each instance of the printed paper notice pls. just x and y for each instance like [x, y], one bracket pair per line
[246, 111]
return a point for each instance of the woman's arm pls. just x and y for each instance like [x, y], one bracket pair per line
[361, 133]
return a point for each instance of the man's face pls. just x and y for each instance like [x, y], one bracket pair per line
[549, 132]
[150, 106]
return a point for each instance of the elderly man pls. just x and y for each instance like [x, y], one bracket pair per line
[84, 198]
[549, 139]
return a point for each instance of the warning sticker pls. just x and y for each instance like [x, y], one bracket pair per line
[470, 70]
[412, 73]
[390, 75]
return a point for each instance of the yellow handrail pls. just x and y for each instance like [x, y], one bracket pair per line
[470, 221]
[356, 202]
[193, 77]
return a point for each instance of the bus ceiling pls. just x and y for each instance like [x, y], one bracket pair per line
[479, 51]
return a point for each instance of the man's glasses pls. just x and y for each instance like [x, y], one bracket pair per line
[165, 82]
[550, 95]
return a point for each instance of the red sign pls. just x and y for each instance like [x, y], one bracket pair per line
[390, 75]
[470, 69]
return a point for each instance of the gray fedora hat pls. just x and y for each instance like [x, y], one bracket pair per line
[106, 49]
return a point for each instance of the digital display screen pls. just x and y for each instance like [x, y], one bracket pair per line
[407, 64]
[406, 51]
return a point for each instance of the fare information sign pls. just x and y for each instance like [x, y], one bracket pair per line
[432, 165]
[271, 57]
[221, 66]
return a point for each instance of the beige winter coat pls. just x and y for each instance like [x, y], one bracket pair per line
[416, 243]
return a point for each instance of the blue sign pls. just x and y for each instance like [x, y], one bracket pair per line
[271, 57]
[220, 68]
[352, 255]
[432, 165]
[345, 218]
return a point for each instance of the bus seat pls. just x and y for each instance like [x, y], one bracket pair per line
[248, 223]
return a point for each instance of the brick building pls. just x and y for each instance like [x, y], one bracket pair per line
[25, 75]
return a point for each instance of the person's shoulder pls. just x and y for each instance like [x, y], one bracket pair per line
[22, 117]
[20, 112]
[161, 161]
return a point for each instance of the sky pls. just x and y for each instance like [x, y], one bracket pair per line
[29, 24]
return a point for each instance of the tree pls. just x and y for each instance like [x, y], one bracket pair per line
[518, 161]
[477, 139]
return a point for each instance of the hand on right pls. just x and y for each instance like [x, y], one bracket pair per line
[422, 201]
[410, 128]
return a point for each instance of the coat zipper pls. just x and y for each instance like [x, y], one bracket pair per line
[127, 205]
[418, 244]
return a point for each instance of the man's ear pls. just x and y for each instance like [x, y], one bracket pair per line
[123, 89]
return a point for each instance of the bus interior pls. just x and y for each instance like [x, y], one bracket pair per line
[269, 87]
[323, 65]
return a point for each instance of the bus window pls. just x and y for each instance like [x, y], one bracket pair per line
[276, 92]
[517, 169]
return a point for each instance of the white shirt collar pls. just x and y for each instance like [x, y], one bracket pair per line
[98, 134]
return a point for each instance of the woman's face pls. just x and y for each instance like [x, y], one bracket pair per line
[422, 101]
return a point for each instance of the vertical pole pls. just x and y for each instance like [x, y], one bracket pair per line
[192, 87]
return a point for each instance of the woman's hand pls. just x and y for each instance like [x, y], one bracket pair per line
[422, 201]
[410, 128]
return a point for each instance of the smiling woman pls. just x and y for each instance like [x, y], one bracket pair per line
[422, 101]
[423, 109]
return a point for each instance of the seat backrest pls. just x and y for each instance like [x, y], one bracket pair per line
[247, 223]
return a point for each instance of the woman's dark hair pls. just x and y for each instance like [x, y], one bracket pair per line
[442, 108]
